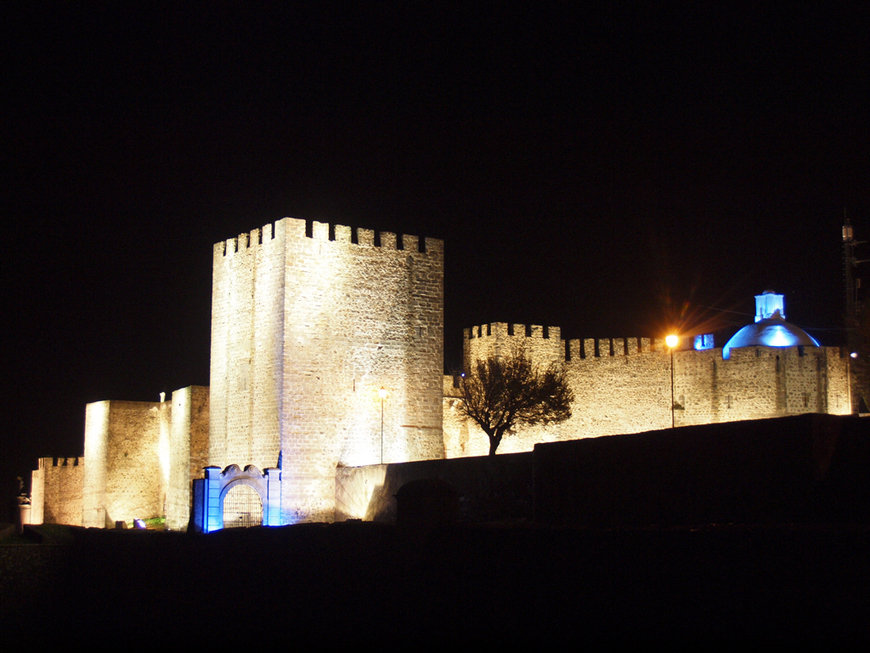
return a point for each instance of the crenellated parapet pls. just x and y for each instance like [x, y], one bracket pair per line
[324, 231]
[591, 348]
[74, 461]
[545, 346]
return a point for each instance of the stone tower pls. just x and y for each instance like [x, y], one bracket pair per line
[306, 329]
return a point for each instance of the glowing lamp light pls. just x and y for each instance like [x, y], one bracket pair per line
[382, 393]
[672, 341]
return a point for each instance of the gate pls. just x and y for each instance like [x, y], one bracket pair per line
[235, 498]
[242, 507]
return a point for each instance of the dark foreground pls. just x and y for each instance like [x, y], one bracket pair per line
[364, 582]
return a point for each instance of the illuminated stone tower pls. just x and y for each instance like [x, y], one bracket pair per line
[306, 329]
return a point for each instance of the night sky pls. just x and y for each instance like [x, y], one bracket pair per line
[613, 171]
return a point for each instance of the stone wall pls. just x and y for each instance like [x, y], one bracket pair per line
[143, 456]
[490, 489]
[56, 491]
[188, 451]
[124, 478]
[306, 328]
[799, 469]
[623, 385]
[248, 277]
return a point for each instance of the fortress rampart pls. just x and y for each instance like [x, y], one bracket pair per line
[121, 448]
[622, 385]
[188, 447]
[142, 458]
[327, 352]
[56, 491]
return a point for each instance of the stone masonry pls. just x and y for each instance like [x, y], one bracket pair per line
[622, 385]
[306, 329]
[56, 491]
[310, 323]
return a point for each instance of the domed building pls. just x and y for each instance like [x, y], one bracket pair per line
[770, 328]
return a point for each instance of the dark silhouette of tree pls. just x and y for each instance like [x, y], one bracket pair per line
[500, 393]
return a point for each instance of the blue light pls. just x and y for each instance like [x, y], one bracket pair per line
[769, 304]
[770, 332]
[703, 342]
[778, 337]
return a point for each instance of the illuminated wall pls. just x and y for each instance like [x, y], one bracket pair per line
[305, 330]
[143, 457]
[123, 479]
[187, 451]
[308, 327]
[623, 385]
[56, 491]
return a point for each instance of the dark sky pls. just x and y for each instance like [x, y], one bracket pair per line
[614, 171]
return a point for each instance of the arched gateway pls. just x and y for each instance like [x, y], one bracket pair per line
[235, 498]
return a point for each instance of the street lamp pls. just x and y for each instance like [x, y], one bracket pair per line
[854, 354]
[382, 393]
[672, 341]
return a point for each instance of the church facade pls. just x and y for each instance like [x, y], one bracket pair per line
[327, 352]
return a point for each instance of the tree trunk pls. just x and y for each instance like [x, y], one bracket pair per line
[494, 441]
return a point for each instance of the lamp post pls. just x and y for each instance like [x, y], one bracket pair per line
[852, 355]
[383, 395]
[672, 341]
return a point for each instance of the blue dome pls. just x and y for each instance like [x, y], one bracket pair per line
[769, 332]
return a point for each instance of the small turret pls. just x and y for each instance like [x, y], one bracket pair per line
[767, 304]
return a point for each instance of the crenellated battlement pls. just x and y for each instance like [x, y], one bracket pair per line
[324, 231]
[61, 462]
[488, 339]
[589, 348]
[247, 240]
[503, 329]
[543, 344]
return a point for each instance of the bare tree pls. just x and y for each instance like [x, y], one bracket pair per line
[500, 393]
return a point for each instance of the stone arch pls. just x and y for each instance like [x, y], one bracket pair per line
[210, 494]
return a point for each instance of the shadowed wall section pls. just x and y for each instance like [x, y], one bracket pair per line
[801, 469]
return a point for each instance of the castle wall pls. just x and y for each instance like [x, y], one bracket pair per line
[542, 345]
[623, 385]
[56, 491]
[837, 372]
[617, 384]
[306, 330]
[124, 476]
[188, 451]
[246, 348]
[308, 324]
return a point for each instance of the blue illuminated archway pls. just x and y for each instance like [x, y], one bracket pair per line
[210, 492]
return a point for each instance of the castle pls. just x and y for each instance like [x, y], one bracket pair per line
[327, 352]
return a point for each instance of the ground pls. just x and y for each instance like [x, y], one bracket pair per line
[359, 581]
